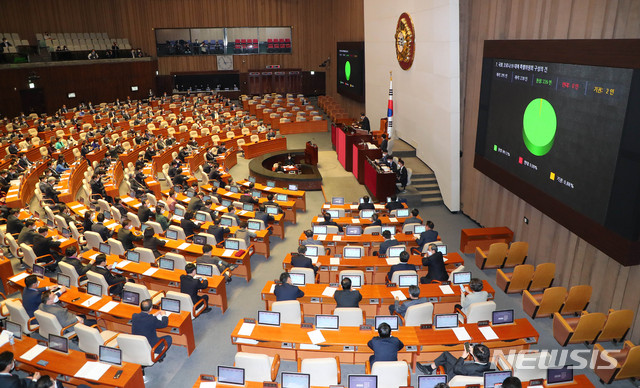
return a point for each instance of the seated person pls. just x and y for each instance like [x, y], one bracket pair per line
[99, 227]
[150, 241]
[190, 285]
[218, 231]
[434, 261]
[385, 347]
[457, 366]
[366, 204]
[309, 238]
[347, 297]
[414, 218]
[475, 296]
[299, 260]
[71, 258]
[271, 202]
[8, 380]
[414, 299]
[387, 243]
[429, 235]
[43, 245]
[327, 221]
[65, 317]
[245, 234]
[512, 382]
[222, 265]
[393, 204]
[188, 225]
[285, 290]
[143, 323]
[100, 266]
[32, 294]
[375, 220]
[402, 266]
[126, 236]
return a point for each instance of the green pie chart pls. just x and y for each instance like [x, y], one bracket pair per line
[539, 125]
[347, 70]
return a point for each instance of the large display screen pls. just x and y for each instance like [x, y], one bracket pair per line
[561, 135]
[350, 65]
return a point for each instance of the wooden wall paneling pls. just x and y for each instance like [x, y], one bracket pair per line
[577, 261]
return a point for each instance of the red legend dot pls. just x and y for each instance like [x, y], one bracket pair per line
[520, 160]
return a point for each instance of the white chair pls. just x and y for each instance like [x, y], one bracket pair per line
[157, 228]
[324, 371]
[70, 271]
[144, 292]
[521, 364]
[97, 278]
[135, 221]
[419, 314]
[91, 338]
[146, 255]
[116, 247]
[186, 304]
[207, 216]
[463, 381]
[290, 311]
[211, 239]
[49, 324]
[395, 278]
[480, 311]
[309, 274]
[391, 374]
[14, 248]
[459, 268]
[29, 258]
[332, 229]
[179, 262]
[258, 367]
[350, 273]
[350, 316]
[60, 223]
[372, 229]
[104, 206]
[408, 227]
[115, 214]
[19, 315]
[136, 349]
[93, 239]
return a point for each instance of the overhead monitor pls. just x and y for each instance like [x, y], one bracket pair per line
[351, 67]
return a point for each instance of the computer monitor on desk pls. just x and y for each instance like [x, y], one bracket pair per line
[446, 321]
[232, 244]
[353, 230]
[502, 317]
[334, 213]
[230, 375]
[133, 256]
[495, 379]
[407, 280]
[390, 228]
[461, 277]
[171, 305]
[319, 229]
[269, 318]
[312, 251]
[391, 320]
[293, 187]
[178, 212]
[337, 201]
[367, 213]
[165, 263]
[417, 229]
[431, 381]
[204, 269]
[295, 380]
[110, 355]
[271, 183]
[402, 213]
[271, 210]
[94, 289]
[363, 381]
[171, 234]
[356, 280]
[352, 252]
[297, 279]
[104, 248]
[395, 251]
[560, 375]
[131, 297]
[327, 322]
[58, 343]
[226, 203]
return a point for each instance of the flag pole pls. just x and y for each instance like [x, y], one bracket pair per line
[390, 108]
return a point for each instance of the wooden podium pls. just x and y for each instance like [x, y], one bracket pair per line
[311, 154]
[360, 154]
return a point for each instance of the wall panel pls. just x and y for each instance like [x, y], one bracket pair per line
[483, 199]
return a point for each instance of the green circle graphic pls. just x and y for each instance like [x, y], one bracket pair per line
[347, 70]
[539, 125]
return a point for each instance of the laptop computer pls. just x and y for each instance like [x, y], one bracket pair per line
[131, 297]
[110, 355]
[502, 317]
[356, 280]
[327, 322]
[270, 318]
[169, 304]
[446, 321]
[391, 320]
[495, 379]
[363, 381]
[407, 280]
[230, 375]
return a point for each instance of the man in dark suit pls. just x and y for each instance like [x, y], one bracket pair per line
[392, 165]
[456, 366]
[195, 203]
[364, 122]
[218, 231]
[145, 324]
[327, 221]
[188, 226]
[262, 215]
[222, 265]
[49, 191]
[143, 211]
[414, 299]
[414, 218]
[429, 235]
[301, 261]
[117, 203]
[384, 145]
[32, 294]
[385, 347]
[71, 258]
[347, 297]
[126, 236]
[402, 266]
[8, 380]
[286, 290]
[271, 202]
[190, 285]
[99, 227]
[393, 204]
[402, 176]
[375, 220]
[28, 232]
[247, 198]
[100, 266]
[434, 261]
[388, 242]
[366, 204]
[43, 245]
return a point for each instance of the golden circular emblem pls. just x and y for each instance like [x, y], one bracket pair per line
[405, 41]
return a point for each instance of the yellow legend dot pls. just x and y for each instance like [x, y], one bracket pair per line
[552, 176]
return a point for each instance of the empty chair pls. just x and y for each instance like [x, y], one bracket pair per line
[626, 363]
[542, 277]
[617, 325]
[545, 304]
[516, 281]
[350, 316]
[418, 314]
[323, 371]
[577, 300]
[136, 349]
[116, 247]
[146, 255]
[517, 254]
[258, 367]
[494, 258]
[186, 304]
[391, 374]
[19, 315]
[290, 311]
[479, 311]
[254, 138]
[309, 274]
[332, 229]
[91, 338]
[49, 324]
[408, 227]
[211, 239]
[144, 292]
[585, 328]
[526, 366]
[70, 271]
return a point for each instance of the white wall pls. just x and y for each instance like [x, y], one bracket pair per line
[427, 96]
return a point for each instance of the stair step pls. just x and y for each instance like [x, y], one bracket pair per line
[431, 201]
[425, 186]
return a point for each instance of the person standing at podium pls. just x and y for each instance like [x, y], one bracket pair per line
[364, 122]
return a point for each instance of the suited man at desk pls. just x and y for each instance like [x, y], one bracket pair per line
[385, 347]
[190, 285]
[327, 221]
[286, 290]
[100, 266]
[402, 266]
[387, 243]
[434, 261]
[429, 235]
[143, 323]
[347, 297]
[299, 260]
[457, 366]
[364, 122]
[8, 380]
